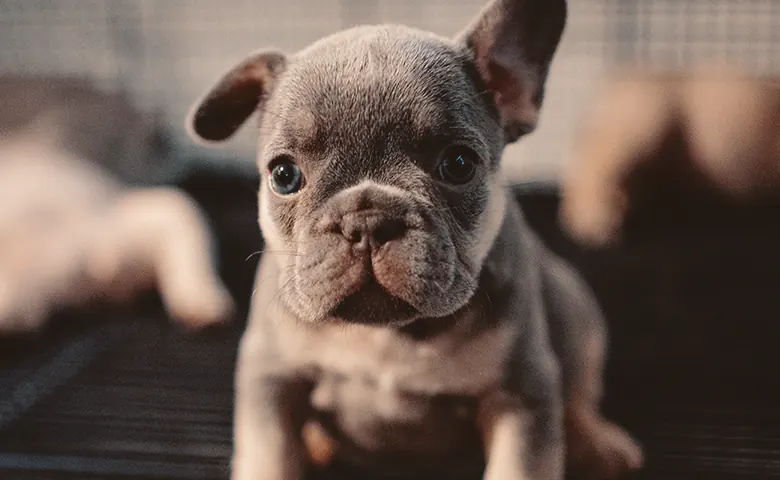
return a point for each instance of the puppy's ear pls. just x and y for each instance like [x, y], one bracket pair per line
[228, 104]
[513, 43]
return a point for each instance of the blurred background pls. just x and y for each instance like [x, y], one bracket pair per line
[166, 53]
[692, 301]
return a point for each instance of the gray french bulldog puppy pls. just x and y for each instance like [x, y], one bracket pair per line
[405, 319]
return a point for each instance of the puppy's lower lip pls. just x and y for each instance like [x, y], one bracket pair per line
[373, 305]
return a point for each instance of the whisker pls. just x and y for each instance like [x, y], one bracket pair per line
[253, 254]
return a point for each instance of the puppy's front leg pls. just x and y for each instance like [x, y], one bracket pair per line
[523, 437]
[596, 447]
[270, 409]
[160, 235]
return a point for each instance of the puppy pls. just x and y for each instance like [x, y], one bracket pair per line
[710, 130]
[72, 230]
[406, 321]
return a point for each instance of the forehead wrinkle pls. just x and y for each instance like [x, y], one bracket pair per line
[348, 64]
[298, 124]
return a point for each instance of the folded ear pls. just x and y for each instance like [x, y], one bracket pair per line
[513, 43]
[228, 104]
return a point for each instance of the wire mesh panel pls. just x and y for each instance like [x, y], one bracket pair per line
[167, 52]
[676, 34]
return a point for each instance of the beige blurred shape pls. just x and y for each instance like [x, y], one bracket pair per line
[72, 231]
[711, 128]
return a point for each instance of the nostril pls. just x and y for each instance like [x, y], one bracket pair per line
[372, 230]
[388, 230]
[349, 232]
[354, 236]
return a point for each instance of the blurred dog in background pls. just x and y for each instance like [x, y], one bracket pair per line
[75, 225]
[708, 130]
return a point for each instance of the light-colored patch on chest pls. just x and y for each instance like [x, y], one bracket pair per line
[450, 365]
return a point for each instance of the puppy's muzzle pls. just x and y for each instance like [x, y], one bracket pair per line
[374, 233]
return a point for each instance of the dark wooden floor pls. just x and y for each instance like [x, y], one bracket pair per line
[692, 302]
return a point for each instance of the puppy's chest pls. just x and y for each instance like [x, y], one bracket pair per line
[381, 400]
[458, 364]
[381, 391]
[379, 416]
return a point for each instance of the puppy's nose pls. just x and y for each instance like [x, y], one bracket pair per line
[370, 229]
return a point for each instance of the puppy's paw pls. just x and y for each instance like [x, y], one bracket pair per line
[200, 306]
[259, 468]
[16, 318]
[14, 322]
[593, 222]
[602, 450]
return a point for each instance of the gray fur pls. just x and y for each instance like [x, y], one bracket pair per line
[409, 349]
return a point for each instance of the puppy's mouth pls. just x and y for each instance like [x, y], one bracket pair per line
[371, 304]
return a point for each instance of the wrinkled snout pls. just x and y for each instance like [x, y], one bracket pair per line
[376, 254]
[369, 218]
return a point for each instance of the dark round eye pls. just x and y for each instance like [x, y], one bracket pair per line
[457, 166]
[286, 177]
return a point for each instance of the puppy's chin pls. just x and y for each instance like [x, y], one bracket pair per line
[371, 304]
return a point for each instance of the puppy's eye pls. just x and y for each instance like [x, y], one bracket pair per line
[457, 166]
[286, 177]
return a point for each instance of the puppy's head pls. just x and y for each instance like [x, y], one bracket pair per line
[379, 151]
